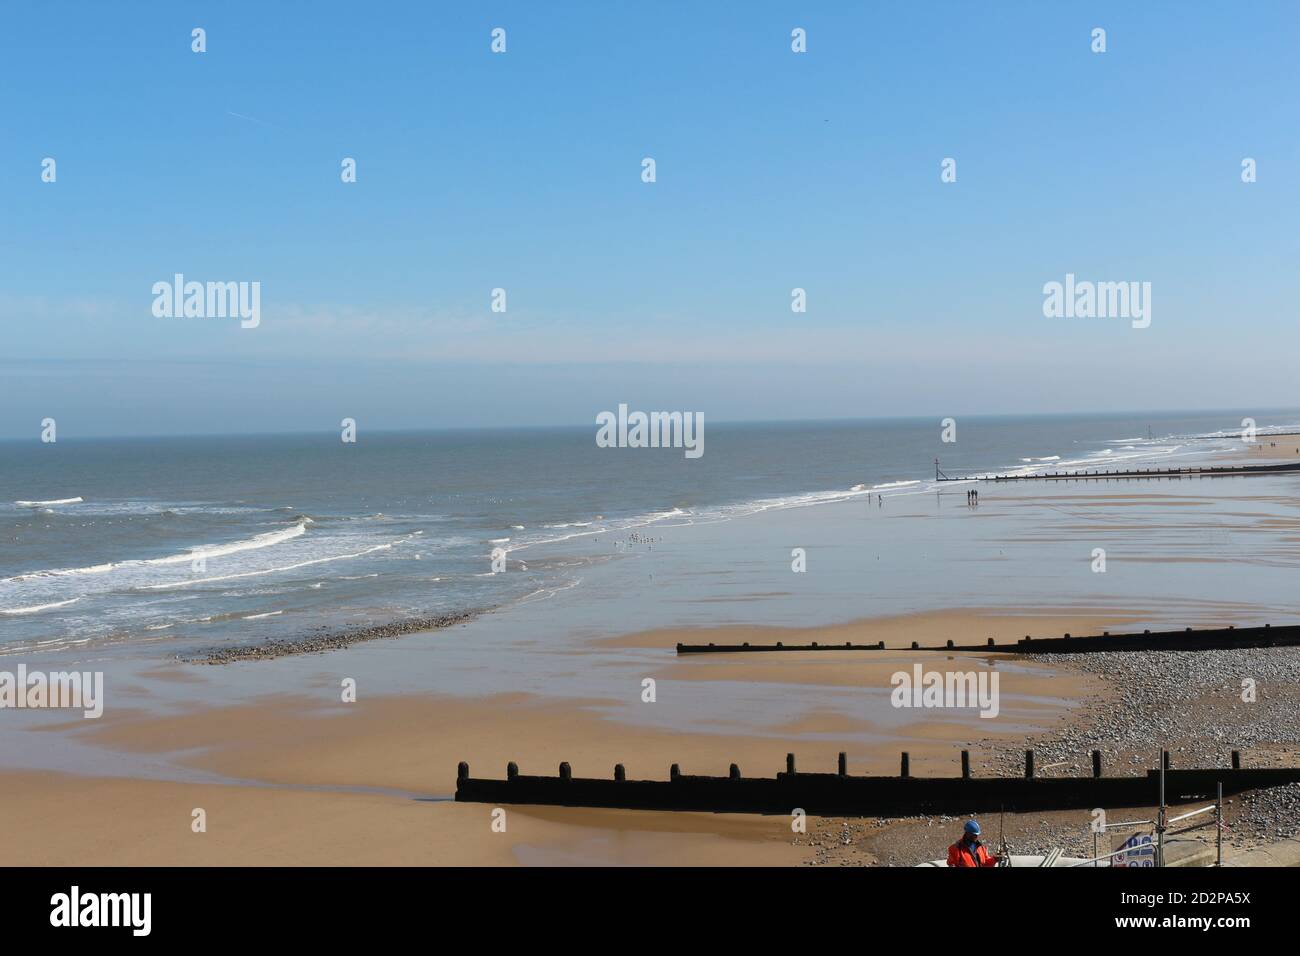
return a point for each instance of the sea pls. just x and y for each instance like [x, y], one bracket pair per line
[175, 545]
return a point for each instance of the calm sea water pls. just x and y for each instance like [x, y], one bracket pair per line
[178, 544]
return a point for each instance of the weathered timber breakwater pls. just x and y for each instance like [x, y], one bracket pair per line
[840, 794]
[1206, 639]
[331, 641]
[1208, 471]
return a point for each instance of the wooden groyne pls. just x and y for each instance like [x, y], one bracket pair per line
[1236, 436]
[842, 794]
[1211, 639]
[1207, 471]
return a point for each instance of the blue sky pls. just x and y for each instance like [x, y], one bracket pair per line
[522, 171]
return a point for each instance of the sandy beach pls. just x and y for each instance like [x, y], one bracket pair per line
[377, 775]
[371, 782]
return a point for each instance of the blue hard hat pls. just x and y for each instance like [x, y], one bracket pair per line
[972, 827]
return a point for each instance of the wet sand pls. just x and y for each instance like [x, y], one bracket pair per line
[1265, 447]
[413, 744]
[62, 820]
[315, 781]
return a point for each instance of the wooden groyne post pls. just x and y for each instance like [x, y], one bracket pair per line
[841, 793]
[1183, 639]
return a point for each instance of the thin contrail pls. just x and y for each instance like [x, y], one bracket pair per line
[251, 119]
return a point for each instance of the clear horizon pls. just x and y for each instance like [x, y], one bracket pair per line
[935, 419]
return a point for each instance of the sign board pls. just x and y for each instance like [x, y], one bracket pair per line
[1140, 851]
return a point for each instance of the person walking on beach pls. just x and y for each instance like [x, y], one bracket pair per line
[969, 851]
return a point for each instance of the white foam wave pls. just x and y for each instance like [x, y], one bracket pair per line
[1093, 460]
[202, 552]
[37, 608]
[46, 504]
[276, 570]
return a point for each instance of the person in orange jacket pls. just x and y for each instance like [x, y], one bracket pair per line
[969, 851]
